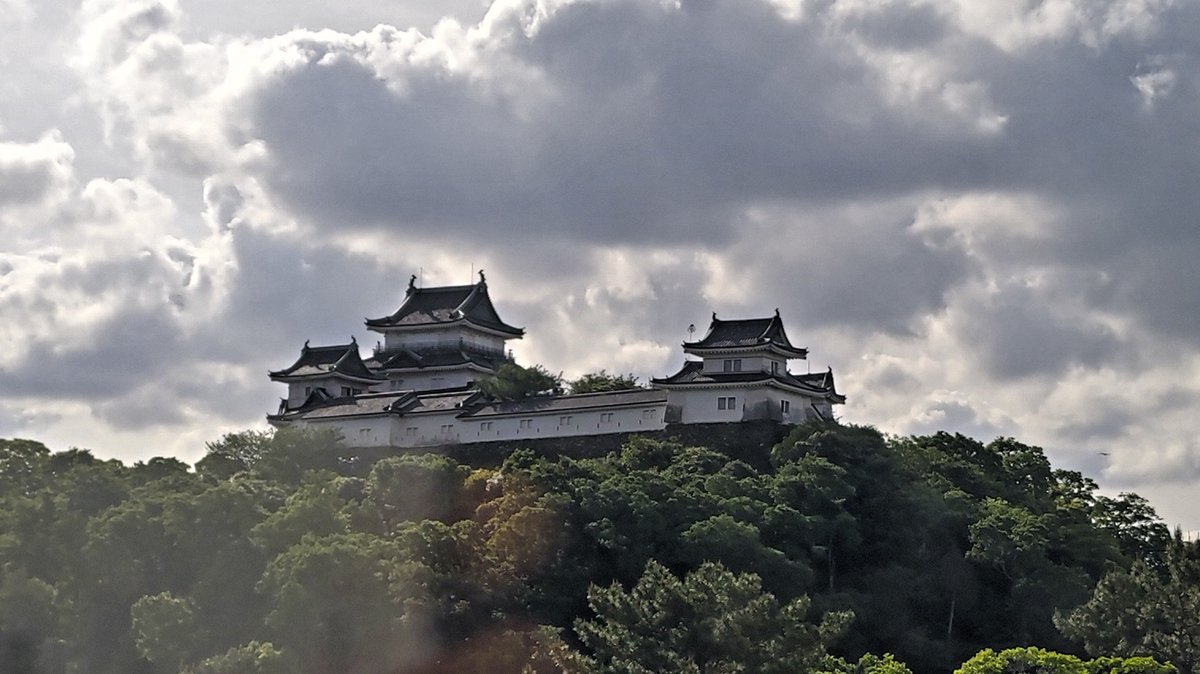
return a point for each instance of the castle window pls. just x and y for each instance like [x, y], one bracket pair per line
[345, 391]
[527, 423]
[410, 431]
[447, 429]
[566, 421]
[732, 365]
[785, 406]
[606, 418]
[485, 426]
[774, 367]
[727, 403]
[648, 413]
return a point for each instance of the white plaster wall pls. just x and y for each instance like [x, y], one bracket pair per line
[700, 406]
[442, 338]
[366, 431]
[566, 424]
[355, 432]
[426, 429]
[426, 381]
[333, 385]
[749, 363]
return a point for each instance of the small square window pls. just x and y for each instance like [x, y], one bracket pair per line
[785, 406]
[527, 423]
[566, 421]
[606, 417]
[485, 426]
[411, 430]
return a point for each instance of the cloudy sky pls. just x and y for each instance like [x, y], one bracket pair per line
[981, 214]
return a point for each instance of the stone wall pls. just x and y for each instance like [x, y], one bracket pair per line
[753, 441]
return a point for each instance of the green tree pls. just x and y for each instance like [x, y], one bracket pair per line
[349, 604]
[513, 382]
[712, 620]
[31, 636]
[253, 658]
[1145, 611]
[164, 628]
[602, 382]
[1031, 660]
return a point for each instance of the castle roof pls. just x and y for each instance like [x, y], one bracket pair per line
[408, 359]
[746, 334]
[322, 361]
[693, 375]
[445, 305]
[372, 404]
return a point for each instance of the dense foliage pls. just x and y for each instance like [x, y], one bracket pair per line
[603, 382]
[840, 551]
[514, 382]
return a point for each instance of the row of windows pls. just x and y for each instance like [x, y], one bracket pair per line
[526, 424]
[346, 391]
[730, 403]
[735, 365]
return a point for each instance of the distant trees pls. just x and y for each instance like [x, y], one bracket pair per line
[513, 382]
[711, 620]
[1145, 610]
[603, 382]
[288, 552]
[1041, 661]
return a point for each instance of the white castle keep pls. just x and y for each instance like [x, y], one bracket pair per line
[418, 388]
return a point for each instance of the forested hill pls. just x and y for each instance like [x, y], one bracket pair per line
[289, 553]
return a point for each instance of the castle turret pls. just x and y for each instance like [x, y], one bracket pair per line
[743, 375]
[442, 337]
[326, 372]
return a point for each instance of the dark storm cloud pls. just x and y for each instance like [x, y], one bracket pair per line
[1016, 332]
[117, 357]
[646, 124]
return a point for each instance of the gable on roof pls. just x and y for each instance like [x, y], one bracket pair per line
[317, 361]
[445, 305]
[747, 333]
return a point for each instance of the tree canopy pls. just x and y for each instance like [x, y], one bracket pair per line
[839, 550]
[602, 382]
[514, 382]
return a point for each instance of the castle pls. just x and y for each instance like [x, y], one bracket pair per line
[418, 388]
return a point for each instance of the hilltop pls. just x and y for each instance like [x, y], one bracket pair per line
[289, 552]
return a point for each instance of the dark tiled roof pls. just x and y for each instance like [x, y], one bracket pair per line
[367, 403]
[746, 333]
[446, 304]
[568, 403]
[442, 401]
[692, 373]
[408, 359]
[340, 359]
